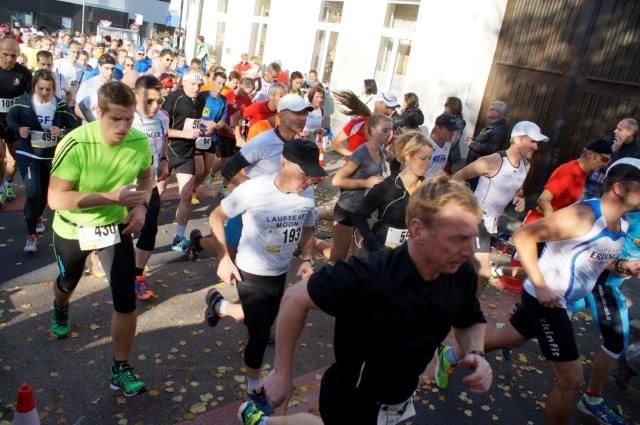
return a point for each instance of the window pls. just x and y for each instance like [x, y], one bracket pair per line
[331, 12]
[324, 52]
[223, 5]
[402, 16]
[391, 67]
[262, 7]
[258, 37]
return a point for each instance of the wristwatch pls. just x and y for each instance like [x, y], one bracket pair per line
[163, 158]
[478, 353]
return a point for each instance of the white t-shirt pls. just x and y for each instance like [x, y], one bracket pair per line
[87, 97]
[45, 112]
[272, 224]
[62, 86]
[264, 153]
[156, 129]
[71, 71]
[438, 158]
[262, 94]
[314, 120]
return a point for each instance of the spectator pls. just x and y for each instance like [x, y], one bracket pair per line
[411, 117]
[295, 83]
[244, 65]
[493, 136]
[203, 50]
[453, 107]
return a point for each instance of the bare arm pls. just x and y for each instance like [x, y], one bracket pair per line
[217, 218]
[472, 338]
[62, 195]
[544, 203]
[339, 144]
[343, 179]
[487, 165]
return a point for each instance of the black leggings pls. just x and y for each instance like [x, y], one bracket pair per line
[147, 240]
[35, 175]
[260, 298]
[118, 262]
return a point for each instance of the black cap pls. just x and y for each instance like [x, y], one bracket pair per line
[625, 169]
[601, 146]
[306, 154]
[447, 121]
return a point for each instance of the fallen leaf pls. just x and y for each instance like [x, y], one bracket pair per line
[95, 400]
[154, 393]
[177, 398]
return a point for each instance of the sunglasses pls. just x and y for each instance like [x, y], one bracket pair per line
[159, 101]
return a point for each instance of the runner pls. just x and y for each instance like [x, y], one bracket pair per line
[213, 118]
[70, 70]
[154, 122]
[90, 190]
[15, 80]
[278, 215]
[384, 336]
[39, 121]
[391, 197]
[444, 128]
[45, 61]
[501, 177]
[87, 95]
[184, 130]
[364, 170]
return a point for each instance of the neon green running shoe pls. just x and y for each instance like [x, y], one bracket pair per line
[60, 322]
[249, 414]
[443, 367]
[124, 379]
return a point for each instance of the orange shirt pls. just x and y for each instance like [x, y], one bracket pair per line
[262, 126]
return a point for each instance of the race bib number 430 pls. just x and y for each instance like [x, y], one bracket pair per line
[91, 238]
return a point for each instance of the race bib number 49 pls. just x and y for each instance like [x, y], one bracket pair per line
[91, 238]
[43, 139]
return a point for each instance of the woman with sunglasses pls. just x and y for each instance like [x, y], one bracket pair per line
[154, 122]
[39, 120]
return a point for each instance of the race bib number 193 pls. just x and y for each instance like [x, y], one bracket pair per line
[91, 238]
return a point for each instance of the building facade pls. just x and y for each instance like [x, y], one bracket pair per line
[435, 48]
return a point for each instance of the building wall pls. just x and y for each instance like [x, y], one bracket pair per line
[153, 10]
[451, 52]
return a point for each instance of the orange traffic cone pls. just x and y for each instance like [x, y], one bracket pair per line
[26, 412]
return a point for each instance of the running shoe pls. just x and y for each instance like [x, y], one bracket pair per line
[259, 398]
[31, 247]
[208, 182]
[3, 198]
[142, 290]
[603, 413]
[124, 379]
[40, 227]
[249, 414]
[180, 244]
[9, 192]
[443, 367]
[194, 200]
[194, 244]
[60, 322]
[212, 299]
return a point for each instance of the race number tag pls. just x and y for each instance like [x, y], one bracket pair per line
[43, 139]
[190, 124]
[5, 104]
[91, 238]
[203, 143]
[283, 241]
[396, 237]
[391, 414]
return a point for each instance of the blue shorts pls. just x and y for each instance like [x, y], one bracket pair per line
[233, 231]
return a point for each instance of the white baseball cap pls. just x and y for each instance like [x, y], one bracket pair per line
[389, 99]
[527, 128]
[293, 102]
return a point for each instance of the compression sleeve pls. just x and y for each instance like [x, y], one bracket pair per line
[233, 166]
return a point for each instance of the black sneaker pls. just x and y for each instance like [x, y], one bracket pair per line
[212, 299]
[194, 244]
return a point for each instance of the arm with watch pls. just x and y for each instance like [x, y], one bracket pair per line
[471, 342]
[306, 245]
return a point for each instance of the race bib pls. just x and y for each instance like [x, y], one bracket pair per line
[203, 143]
[43, 139]
[391, 414]
[396, 237]
[283, 241]
[490, 223]
[5, 104]
[190, 124]
[91, 238]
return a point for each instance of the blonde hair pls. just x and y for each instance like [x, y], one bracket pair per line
[435, 194]
[409, 143]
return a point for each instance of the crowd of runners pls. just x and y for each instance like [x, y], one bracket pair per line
[98, 127]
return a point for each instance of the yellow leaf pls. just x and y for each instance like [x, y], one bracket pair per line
[189, 416]
[238, 378]
[177, 398]
[154, 393]
[123, 421]
[95, 400]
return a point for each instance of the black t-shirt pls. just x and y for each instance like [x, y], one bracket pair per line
[180, 107]
[13, 84]
[389, 321]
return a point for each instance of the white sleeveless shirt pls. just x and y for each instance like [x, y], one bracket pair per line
[495, 193]
[571, 267]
